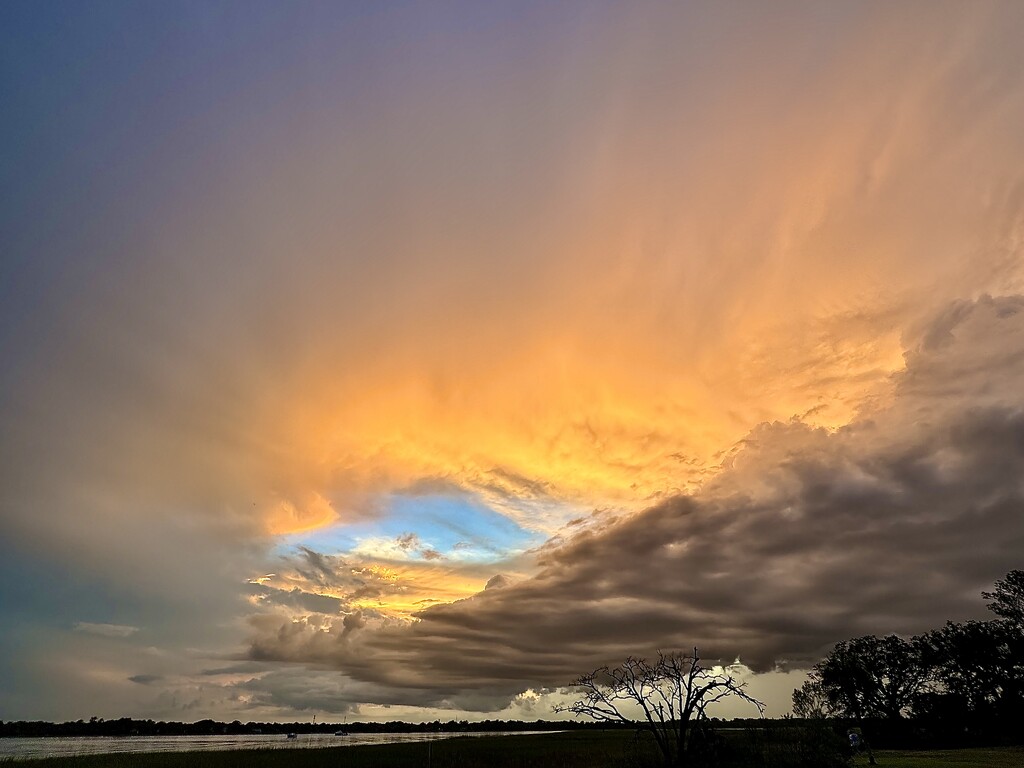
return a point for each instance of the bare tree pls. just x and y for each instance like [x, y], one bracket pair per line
[672, 694]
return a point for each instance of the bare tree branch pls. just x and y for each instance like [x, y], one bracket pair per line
[667, 698]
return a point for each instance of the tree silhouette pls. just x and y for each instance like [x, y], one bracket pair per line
[812, 702]
[965, 679]
[1008, 598]
[978, 672]
[668, 698]
[870, 677]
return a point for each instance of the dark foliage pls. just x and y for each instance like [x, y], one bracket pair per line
[868, 677]
[1007, 599]
[959, 685]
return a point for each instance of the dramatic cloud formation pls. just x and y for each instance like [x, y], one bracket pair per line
[892, 523]
[421, 357]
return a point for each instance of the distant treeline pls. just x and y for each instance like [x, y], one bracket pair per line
[126, 726]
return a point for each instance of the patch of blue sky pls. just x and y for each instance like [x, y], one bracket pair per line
[460, 527]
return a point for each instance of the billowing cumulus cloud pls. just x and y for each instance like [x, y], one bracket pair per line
[674, 316]
[892, 523]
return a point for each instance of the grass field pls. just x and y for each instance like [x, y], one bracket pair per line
[1006, 757]
[615, 749]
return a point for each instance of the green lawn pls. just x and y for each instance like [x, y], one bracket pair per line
[1006, 757]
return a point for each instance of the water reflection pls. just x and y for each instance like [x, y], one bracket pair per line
[58, 746]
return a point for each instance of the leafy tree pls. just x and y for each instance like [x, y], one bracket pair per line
[1008, 598]
[812, 702]
[867, 677]
[978, 667]
[968, 675]
[671, 695]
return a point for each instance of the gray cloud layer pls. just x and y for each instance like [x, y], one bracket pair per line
[891, 524]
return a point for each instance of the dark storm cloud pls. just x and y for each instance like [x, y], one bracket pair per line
[146, 679]
[299, 690]
[306, 689]
[891, 524]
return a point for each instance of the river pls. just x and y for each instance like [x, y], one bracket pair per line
[57, 746]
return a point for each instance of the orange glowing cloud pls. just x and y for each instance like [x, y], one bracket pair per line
[582, 310]
[601, 331]
[287, 518]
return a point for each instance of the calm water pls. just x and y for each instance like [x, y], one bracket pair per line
[54, 746]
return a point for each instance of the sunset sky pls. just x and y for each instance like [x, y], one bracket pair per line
[406, 360]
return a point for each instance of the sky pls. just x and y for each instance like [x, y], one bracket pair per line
[407, 360]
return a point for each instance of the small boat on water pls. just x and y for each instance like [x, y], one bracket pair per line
[293, 736]
[341, 733]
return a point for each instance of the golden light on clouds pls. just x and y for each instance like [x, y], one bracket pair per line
[548, 434]
[602, 331]
[386, 590]
[288, 518]
[415, 587]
